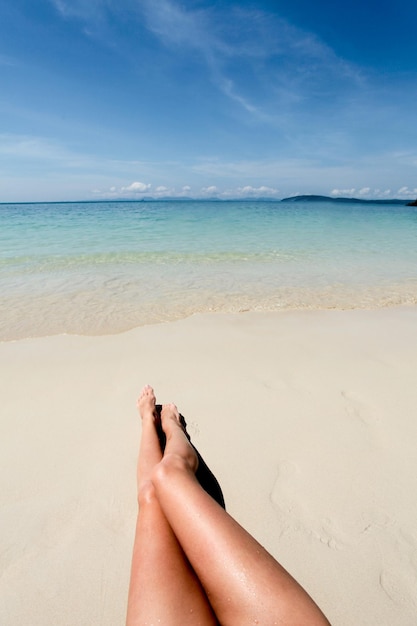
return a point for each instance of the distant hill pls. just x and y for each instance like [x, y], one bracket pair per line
[313, 198]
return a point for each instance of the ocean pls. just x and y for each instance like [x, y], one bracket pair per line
[105, 267]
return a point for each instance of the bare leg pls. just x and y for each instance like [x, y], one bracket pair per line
[163, 587]
[244, 583]
[204, 475]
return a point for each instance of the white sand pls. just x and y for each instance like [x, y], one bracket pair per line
[308, 419]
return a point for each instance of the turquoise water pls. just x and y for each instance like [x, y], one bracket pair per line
[98, 268]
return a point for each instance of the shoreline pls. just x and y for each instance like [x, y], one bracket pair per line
[93, 271]
[306, 417]
[54, 326]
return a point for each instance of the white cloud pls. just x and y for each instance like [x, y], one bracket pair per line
[128, 191]
[374, 193]
[343, 192]
[136, 187]
[248, 190]
[408, 193]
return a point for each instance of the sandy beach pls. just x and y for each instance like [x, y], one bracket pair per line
[307, 418]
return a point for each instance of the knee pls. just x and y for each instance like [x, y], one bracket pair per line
[171, 465]
[146, 493]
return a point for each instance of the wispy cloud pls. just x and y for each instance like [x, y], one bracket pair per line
[259, 61]
[32, 147]
[84, 9]
[53, 155]
[175, 25]
[251, 52]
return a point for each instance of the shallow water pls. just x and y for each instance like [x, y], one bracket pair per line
[98, 268]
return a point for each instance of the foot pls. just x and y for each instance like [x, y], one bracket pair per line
[146, 403]
[177, 443]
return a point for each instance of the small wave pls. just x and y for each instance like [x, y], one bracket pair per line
[112, 310]
[50, 263]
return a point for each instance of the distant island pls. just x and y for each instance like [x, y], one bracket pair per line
[312, 198]
[301, 198]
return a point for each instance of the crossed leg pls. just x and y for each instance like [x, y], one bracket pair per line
[163, 586]
[243, 582]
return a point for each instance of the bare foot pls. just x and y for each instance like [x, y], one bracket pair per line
[146, 403]
[177, 443]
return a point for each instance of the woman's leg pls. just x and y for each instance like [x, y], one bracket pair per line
[243, 582]
[163, 587]
[204, 475]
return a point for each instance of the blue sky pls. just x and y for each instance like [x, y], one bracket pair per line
[131, 98]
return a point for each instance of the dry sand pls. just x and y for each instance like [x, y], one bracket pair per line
[308, 419]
